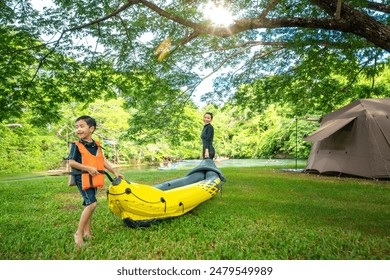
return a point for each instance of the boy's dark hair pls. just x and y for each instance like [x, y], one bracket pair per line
[89, 120]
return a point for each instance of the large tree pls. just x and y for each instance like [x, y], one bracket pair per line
[265, 37]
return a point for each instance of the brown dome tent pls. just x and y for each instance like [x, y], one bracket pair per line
[353, 140]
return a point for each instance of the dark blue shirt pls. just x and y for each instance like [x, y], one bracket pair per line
[75, 154]
[207, 137]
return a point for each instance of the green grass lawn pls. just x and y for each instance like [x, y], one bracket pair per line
[263, 213]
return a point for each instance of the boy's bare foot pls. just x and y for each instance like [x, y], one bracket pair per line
[88, 236]
[78, 239]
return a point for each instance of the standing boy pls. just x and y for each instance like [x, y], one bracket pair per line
[86, 156]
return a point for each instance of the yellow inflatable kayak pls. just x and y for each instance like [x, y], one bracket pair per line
[142, 205]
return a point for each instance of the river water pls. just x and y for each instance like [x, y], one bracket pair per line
[189, 164]
[287, 164]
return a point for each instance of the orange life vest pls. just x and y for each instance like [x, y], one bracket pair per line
[97, 161]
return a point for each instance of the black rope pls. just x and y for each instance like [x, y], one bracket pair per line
[108, 175]
[128, 191]
[116, 193]
[145, 200]
[165, 204]
[90, 181]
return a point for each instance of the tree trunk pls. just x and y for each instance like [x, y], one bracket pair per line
[359, 23]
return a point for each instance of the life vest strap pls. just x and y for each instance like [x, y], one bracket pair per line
[90, 177]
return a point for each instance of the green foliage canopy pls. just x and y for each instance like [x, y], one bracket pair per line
[281, 60]
[86, 43]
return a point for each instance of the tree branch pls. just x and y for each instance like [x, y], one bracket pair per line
[114, 13]
[170, 16]
[330, 6]
[267, 9]
[124, 25]
[264, 54]
[338, 9]
[379, 7]
[357, 22]
[350, 21]
[189, 38]
[97, 21]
